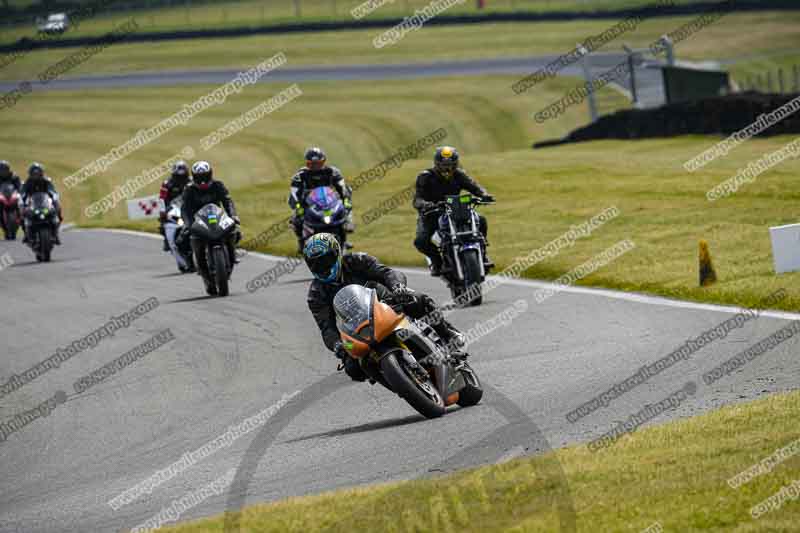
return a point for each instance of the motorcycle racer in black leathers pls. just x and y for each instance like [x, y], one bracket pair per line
[332, 271]
[38, 182]
[433, 184]
[171, 189]
[6, 175]
[316, 173]
[201, 191]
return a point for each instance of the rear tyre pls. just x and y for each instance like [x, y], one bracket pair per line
[421, 396]
[472, 393]
[472, 275]
[220, 259]
[11, 228]
[45, 244]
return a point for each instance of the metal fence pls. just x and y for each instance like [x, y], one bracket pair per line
[641, 86]
[779, 80]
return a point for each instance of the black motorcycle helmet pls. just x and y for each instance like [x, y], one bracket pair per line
[315, 158]
[445, 161]
[202, 174]
[180, 170]
[36, 171]
[5, 170]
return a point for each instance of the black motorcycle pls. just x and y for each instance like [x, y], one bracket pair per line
[214, 229]
[41, 222]
[462, 246]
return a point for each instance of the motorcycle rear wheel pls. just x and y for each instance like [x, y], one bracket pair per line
[10, 225]
[422, 397]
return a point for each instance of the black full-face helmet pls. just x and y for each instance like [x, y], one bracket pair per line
[5, 170]
[315, 158]
[445, 161]
[36, 171]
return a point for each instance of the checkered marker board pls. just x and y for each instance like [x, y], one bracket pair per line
[146, 207]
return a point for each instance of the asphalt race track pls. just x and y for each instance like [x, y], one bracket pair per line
[648, 80]
[233, 357]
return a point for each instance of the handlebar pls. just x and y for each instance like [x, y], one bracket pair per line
[475, 200]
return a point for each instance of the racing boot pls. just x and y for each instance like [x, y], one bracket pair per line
[453, 339]
[436, 266]
[211, 288]
[487, 263]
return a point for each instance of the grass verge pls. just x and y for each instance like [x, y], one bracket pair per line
[248, 13]
[733, 36]
[673, 474]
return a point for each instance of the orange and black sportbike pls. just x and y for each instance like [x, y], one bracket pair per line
[405, 355]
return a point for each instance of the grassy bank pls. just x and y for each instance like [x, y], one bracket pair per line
[675, 475]
[540, 193]
[234, 14]
[733, 36]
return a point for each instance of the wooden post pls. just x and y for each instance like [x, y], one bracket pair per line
[769, 81]
[780, 80]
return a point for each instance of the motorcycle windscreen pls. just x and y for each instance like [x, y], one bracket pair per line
[209, 212]
[353, 308]
[323, 198]
[211, 223]
[7, 189]
[41, 200]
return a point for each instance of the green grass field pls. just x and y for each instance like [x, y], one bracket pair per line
[228, 14]
[541, 193]
[736, 35]
[675, 475]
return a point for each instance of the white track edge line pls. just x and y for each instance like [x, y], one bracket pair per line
[591, 291]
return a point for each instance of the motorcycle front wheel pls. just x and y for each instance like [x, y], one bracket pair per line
[220, 261]
[45, 244]
[420, 393]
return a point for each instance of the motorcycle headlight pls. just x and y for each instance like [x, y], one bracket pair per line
[366, 333]
[327, 219]
[41, 216]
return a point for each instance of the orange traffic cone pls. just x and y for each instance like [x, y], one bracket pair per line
[707, 274]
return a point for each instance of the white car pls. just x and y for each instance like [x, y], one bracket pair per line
[55, 23]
